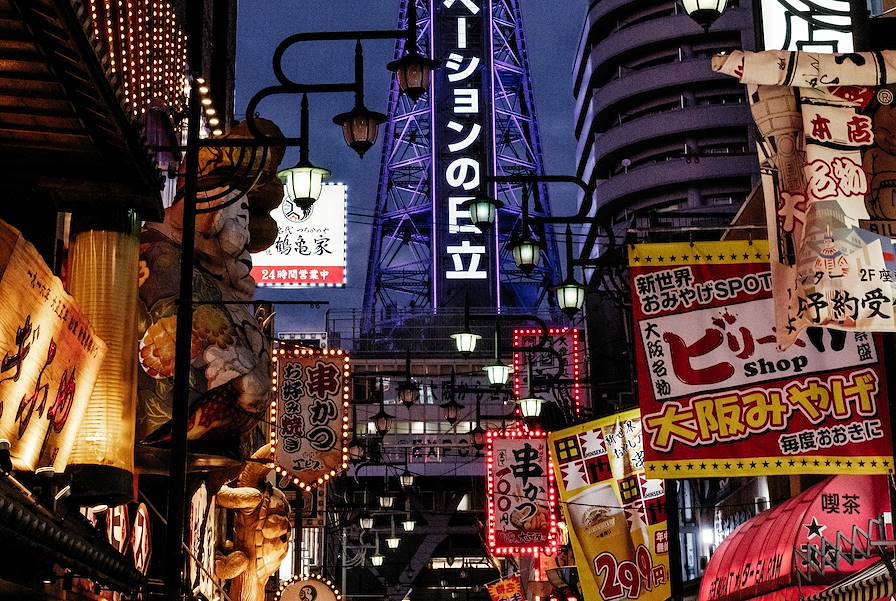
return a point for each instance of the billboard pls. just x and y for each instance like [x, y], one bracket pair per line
[310, 413]
[521, 499]
[615, 515]
[311, 244]
[826, 161]
[463, 257]
[719, 399]
[808, 25]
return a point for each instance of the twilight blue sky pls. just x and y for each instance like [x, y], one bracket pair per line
[552, 30]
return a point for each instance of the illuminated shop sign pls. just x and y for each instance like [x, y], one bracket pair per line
[462, 255]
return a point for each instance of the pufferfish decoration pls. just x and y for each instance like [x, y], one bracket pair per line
[229, 355]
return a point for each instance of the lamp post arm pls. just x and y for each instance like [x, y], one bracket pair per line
[327, 36]
[543, 336]
[584, 209]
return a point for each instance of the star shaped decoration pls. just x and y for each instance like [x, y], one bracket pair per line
[702, 466]
[660, 259]
[886, 463]
[778, 463]
[740, 465]
[873, 463]
[815, 529]
[861, 464]
[765, 464]
[815, 463]
[752, 465]
[758, 255]
[827, 463]
[685, 257]
[709, 257]
[677, 467]
[804, 462]
[637, 259]
[733, 257]
[791, 462]
[746, 256]
[721, 257]
[649, 259]
[665, 468]
[727, 466]
[715, 466]
[690, 466]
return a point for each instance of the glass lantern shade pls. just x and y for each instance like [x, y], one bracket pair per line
[302, 184]
[570, 296]
[526, 253]
[413, 72]
[409, 525]
[478, 437]
[392, 542]
[382, 421]
[451, 409]
[387, 501]
[497, 373]
[531, 406]
[360, 128]
[376, 559]
[407, 393]
[366, 521]
[406, 479]
[357, 452]
[704, 12]
[482, 211]
[465, 341]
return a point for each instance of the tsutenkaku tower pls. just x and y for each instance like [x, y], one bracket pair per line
[478, 119]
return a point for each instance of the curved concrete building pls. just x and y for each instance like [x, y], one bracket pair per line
[657, 130]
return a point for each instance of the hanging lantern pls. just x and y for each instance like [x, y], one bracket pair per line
[482, 211]
[408, 524]
[407, 393]
[497, 373]
[477, 435]
[570, 296]
[376, 559]
[531, 406]
[360, 127]
[413, 72]
[406, 479]
[387, 500]
[450, 410]
[366, 521]
[392, 542]
[465, 341]
[357, 451]
[103, 280]
[704, 12]
[382, 421]
[301, 185]
[526, 253]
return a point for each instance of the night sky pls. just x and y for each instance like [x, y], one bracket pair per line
[552, 30]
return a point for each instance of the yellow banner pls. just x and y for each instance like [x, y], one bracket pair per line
[616, 516]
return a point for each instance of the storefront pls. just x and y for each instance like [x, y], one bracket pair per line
[802, 546]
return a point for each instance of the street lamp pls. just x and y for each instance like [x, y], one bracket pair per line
[482, 211]
[413, 70]
[357, 450]
[382, 421]
[302, 183]
[393, 541]
[466, 340]
[360, 126]
[570, 294]
[408, 524]
[376, 560]
[478, 437]
[451, 408]
[531, 406]
[387, 500]
[497, 371]
[704, 12]
[408, 391]
[526, 252]
[406, 479]
[366, 521]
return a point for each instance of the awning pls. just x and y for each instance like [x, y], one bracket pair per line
[784, 553]
[868, 585]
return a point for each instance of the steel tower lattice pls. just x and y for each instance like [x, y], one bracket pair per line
[403, 256]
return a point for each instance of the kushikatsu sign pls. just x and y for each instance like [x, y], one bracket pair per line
[309, 413]
[463, 257]
[717, 397]
[521, 499]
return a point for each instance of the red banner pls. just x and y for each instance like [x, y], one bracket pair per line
[718, 399]
[521, 498]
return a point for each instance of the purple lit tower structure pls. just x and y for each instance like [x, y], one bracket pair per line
[478, 119]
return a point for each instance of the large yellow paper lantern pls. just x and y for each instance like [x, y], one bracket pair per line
[103, 279]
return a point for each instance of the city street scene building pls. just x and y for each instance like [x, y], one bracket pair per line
[447, 300]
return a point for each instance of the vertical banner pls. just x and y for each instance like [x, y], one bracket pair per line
[50, 358]
[311, 244]
[463, 257]
[203, 537]
[563, 358]
[310, 413]
[616, 516]
[719, 399]
[826, 159]
[506, 589]
[521, 500]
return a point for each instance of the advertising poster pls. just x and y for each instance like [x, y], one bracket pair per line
[50, 358]
[506, 589]
[827, 160]
[311, 388]
[311, 244]
[716, 395]
[616, 516]
[521, 499]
